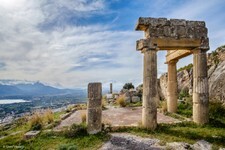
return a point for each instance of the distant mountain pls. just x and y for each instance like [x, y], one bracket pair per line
[8, 90]
[35, 89]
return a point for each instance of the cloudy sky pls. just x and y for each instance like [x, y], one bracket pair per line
[69, 43]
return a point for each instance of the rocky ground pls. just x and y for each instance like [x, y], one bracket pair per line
[116, 116]
[124, 141]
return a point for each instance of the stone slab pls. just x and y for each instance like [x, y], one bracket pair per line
[30, 134]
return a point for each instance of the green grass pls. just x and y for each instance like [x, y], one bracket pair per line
[53, 141]
[188, 67]
[137, 104]
[58, 114]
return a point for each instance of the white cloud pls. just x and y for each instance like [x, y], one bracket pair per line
[34, 54]
[38, 42]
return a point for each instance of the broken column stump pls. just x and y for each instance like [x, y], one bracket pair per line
[94, 108]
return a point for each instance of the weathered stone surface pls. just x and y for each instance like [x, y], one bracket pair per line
[111, 88]
[172, 87]
[30, 134]
[130, 142]
[94, 108]
[202, 145]
[172, 34]
[174, 55]
[180, 28]
[150, 94]
[178, 145]
[135, 99]
[200, 88]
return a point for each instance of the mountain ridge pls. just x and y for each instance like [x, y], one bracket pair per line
[34, 89]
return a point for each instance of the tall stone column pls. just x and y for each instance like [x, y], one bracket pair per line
[200, 88]
[150, 95]
[172, 87]
[94, 108]
[111, 88]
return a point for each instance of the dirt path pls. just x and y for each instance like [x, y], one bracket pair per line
[128, 116]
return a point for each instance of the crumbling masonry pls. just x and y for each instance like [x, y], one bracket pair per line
[180, 38]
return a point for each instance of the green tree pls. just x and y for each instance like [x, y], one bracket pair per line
[128, 86]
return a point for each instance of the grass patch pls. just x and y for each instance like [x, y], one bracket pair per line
[137, 104]
[188, 67]
[53, 140]
[185, 108]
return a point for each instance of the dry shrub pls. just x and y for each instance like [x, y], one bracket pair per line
[36, 121]
[121, 101]
[49, 116]
[104, 103]
[83, 117]
[164, 107]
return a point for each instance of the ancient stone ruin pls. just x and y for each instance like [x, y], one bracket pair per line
[180, 38]
[94, 108]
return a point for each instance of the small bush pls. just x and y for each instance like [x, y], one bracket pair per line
[128, 86]
[67, 147]
[216, 110]
[121, 101]
[185, 109]
[76, 131]
[83, 117]
[36, 121]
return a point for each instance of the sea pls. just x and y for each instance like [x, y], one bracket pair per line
[12, 101]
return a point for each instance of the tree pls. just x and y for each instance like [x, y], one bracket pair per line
[128, 86]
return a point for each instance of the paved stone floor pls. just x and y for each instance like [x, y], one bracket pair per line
[128, 116]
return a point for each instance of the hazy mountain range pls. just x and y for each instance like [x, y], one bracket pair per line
[28, 88]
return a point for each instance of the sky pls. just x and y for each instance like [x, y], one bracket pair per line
[69, 43]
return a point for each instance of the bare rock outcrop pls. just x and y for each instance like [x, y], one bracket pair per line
[125, 141]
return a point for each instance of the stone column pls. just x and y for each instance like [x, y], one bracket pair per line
[111, 88]
[150, 95]
[94, 108]
[200, 88]
[172, 87]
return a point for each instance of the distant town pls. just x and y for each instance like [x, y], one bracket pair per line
[9, 112]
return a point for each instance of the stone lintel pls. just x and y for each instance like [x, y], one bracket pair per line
[144, 22]
[179, 30]
[171, 44]
[176, 55]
